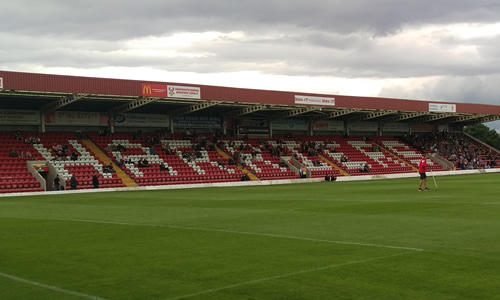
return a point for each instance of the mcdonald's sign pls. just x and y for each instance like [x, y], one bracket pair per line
[154, 90]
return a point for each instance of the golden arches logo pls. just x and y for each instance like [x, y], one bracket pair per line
[146, 90]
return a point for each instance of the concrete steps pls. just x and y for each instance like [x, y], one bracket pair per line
[334, 166]
[107, 160]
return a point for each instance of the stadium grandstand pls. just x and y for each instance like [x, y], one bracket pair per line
[133, 133]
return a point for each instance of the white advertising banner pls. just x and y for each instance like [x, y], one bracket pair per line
[313, 100]
[143, 120]
[363, 126]
[76, 118]
[328, 126]
[396, 127]
[439, 107]
[1, 83]
[19, 117]
[177, 91]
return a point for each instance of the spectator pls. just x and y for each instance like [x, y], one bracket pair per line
[121, 148]
[18, 135]
[236, 155]
[13, 153]
[143, 163]
[120, 162]
[95, 180]
[221, 164]
[73, 183]
[108, 168]
[57, 183]
[74, 156]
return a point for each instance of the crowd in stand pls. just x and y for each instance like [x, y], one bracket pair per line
[329, 178]
[457, 148]
[118, 147]
[312, 149]
[108, 169]
[143, 163]
[23, 153]
[18, 135]
[190, 156]
[168, 151]
[463, 152]
[62, 152]
[245, 177]
[364, 168]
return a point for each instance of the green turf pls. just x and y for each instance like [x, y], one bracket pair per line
[342, 240]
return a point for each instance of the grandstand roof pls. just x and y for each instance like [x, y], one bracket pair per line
[46, 92]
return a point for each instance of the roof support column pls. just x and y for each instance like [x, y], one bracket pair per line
[224, 125]
[111, 123]
[42, 121]
[270, 128]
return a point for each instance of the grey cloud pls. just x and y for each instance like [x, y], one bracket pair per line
[114, 19]
[302, 52]
[472, 89]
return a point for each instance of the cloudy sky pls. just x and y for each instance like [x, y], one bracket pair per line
[439, 50]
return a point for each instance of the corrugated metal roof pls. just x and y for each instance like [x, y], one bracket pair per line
[115, 92]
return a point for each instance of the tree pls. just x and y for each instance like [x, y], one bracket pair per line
[484, 134]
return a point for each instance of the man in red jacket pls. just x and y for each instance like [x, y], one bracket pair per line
[422, 168]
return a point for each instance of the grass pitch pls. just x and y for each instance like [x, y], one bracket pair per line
[342, 240]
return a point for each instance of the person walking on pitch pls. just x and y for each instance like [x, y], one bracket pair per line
[422, 168]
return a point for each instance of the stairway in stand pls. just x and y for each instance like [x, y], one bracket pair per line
[245, 171]
[334, 166]
[250, 174]
[106, 160]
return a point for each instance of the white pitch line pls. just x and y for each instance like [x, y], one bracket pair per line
[298, 238]
[286, 275]
[50, 287]
[231, 231]
[406, 201]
